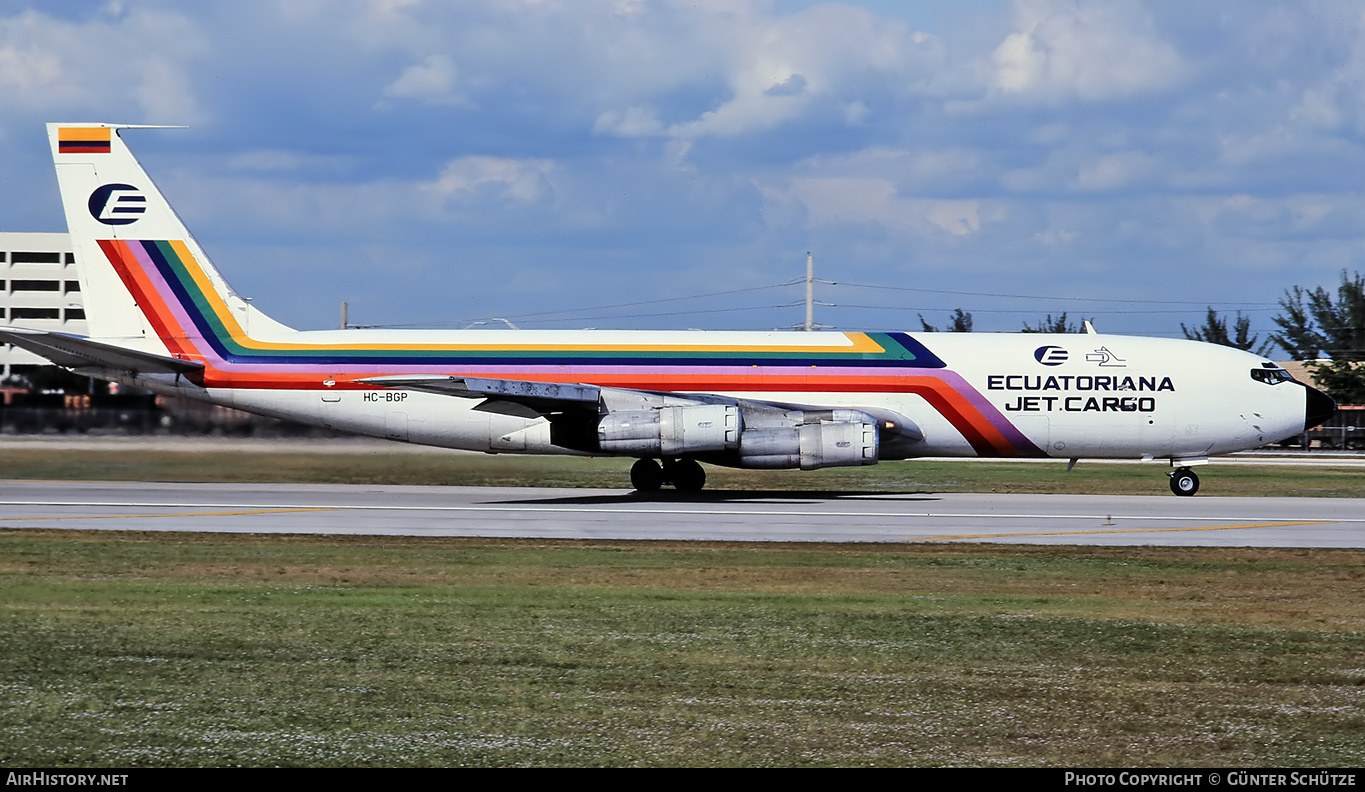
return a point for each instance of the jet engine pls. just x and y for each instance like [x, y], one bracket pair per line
[818, 438]
[740, 433]
[671, 431]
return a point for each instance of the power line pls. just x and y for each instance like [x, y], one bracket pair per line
[1039, 297]
[666, 313]
[529, 318]
[660, 300]
[1106, 312]
[576, 314]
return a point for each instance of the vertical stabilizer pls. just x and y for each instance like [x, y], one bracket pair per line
[145, 281]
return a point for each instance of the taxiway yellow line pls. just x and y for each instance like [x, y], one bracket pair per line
[168, 514]
[1115, 531]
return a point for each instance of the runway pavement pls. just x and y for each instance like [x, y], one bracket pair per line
[367, 445]
[716, 515]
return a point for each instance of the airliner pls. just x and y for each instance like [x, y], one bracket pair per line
[161, 317]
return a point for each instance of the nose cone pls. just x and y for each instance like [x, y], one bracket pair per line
[1320, 407]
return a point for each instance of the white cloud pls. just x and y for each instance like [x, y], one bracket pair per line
[102, 65]
[166, 94]
[523, 181]
[1084, 166]
[225, 209]
[26, 72]
[873, 201]
[784, 66]
[432, 81]
[1334, 101]
[854, 113]
[919, 172]
[958, 218]
[1056, 237]
[1092, 50]
[767, 69]
[279, 161]
[642, 121]
[1114, 171]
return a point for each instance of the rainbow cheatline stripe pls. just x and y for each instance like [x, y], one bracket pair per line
[192, 319]
[83, 140]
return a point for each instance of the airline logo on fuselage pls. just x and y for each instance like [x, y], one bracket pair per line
[1050, 355]
[117, 204]
[1104, 357]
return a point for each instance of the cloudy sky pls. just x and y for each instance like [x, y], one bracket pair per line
[584, 163]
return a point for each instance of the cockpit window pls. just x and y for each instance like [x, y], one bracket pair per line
[1271, 376]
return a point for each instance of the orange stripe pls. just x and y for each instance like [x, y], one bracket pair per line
[983, 436]
[83, 134]
[144, 293]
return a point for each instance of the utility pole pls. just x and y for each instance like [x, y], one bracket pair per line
[810, 292]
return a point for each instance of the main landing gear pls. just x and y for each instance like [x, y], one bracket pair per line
[686, 475]
[1184, 482]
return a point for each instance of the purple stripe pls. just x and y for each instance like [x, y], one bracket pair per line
[987, 410]
[177, 310]
[582, 374]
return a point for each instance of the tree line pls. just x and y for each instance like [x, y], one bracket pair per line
[1324, 328]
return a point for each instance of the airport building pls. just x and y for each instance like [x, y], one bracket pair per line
[39, 290]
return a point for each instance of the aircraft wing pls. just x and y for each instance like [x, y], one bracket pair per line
[520, 397]
[75, 352]
[511, 397]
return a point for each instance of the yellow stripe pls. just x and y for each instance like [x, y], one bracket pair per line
[1115, 531]
[858, 342]
[179, 514]
[86, 134]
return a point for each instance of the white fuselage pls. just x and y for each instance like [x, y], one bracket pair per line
[1111, 397]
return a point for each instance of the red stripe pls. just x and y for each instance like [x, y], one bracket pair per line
[975, 428]
[979, 432]
[144, 294]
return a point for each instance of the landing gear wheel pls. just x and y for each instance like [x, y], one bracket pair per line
[646, 475]
[687, 475]
[1184, 482]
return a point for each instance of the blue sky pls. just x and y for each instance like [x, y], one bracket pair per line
[584, 163]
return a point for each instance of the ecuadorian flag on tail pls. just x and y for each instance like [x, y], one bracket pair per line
[83, 140]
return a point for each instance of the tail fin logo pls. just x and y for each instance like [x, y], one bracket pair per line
[117, 204]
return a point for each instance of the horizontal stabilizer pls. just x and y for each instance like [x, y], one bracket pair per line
[539, 396]
[75, 352]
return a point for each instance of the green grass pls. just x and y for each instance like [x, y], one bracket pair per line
[348, 467]
[209, 650]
